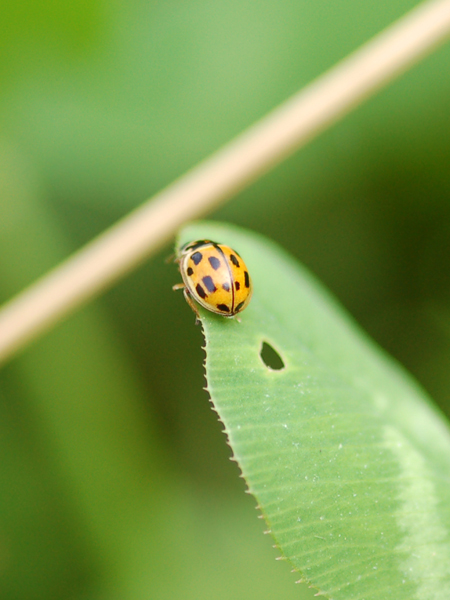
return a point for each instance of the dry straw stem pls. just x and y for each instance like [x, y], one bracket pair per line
[288, 127]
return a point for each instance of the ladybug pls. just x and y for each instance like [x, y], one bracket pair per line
[215, 276]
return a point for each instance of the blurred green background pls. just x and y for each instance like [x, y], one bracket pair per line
[115, 478]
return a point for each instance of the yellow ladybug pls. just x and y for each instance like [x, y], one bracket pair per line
[215, 276]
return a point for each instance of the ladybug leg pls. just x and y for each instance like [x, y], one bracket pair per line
[192, 305]
[188, 297]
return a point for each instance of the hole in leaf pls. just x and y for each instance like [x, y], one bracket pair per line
[270, 357]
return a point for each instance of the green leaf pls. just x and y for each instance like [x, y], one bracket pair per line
[344, 453]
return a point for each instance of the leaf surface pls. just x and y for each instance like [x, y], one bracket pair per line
[346, 456]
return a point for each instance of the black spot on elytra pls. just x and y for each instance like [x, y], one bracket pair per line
[247, 279]
[214, 262]
[190, 271]
[223, 307]
[239, 306]
[209, 284]
[200, 291]
[234, 260]
[226, 286]
[197, 257]
[237, 285]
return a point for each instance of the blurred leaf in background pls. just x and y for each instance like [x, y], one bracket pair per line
[100, 106]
